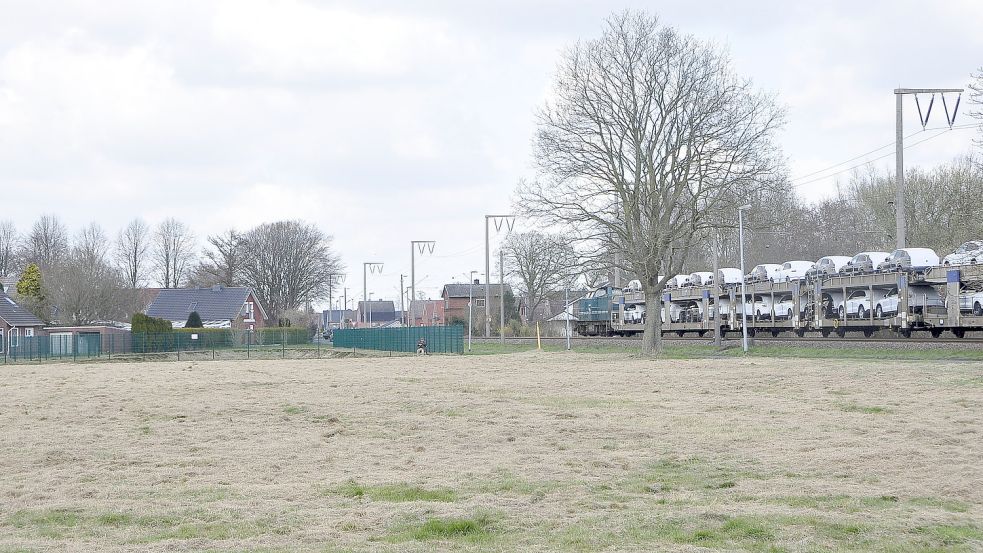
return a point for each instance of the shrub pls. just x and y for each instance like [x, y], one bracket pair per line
[150, 333]
[143, 324]
[30, 281]
[194, 320]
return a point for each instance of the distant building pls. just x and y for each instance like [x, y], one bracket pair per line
[426, 313]
[337, 318]
[16, 325]
[376, 313]
[218, 306]
[455, 297]
[8, 283]
[551, 305]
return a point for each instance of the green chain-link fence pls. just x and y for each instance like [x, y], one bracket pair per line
[440, 339]
[95, 344]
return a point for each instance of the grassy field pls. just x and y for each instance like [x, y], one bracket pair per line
[511, 452]
[884, 351]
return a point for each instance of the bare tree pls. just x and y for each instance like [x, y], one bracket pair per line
[8, 243]
[132, 245]
[976, 98]
[592, 274]
[46, 244]
[651, 140]
[85, 287]
[92, 244]
[941, 204]
[288, 263]
[540, 262]
[222, 263]
[173, 252]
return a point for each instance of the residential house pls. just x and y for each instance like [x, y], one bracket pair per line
[560, 324]
[426, 313]
[18, 327]
[376, 313]
[219, 307]
[8, 283]
[337, 318]
[549, 306]
[456, 297]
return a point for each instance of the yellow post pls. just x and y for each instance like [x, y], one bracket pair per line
[539, 342]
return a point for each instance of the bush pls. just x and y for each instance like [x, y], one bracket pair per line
[194, 320]
[150, 333]
[143, 324]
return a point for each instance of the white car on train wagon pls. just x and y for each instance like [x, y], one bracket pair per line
[793, 270]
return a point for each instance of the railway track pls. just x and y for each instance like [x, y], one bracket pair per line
[759, 338]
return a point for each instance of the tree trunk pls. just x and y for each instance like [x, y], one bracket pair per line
[652, 337]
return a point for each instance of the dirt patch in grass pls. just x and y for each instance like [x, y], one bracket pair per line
[568, 451]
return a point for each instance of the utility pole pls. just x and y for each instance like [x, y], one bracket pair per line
[344, 307]
[331, 281]
[740, 226]
[717, 341]
[501, 292]
[470, 308]
[367, 267]
[509, 222]
[566, 312]
[402, 294]
[899, 93]
[424, 246]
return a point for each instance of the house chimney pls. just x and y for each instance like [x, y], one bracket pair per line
[477, 281]
[216, 287]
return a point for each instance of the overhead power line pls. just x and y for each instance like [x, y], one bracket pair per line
[875, 150]
[865, 162]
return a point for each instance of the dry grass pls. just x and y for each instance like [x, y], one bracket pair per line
[568, 452]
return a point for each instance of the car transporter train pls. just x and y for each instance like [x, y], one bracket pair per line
[905, 291]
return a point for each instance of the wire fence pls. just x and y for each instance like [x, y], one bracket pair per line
[439, 339]
[189, 343]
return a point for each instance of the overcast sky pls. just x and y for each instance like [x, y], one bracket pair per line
[390, 121]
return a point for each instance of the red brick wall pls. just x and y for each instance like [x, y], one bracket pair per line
[259, 322]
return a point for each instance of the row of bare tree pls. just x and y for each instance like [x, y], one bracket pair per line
[89, 277]
[943, 209]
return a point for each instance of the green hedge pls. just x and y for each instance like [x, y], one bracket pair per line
[143, 324]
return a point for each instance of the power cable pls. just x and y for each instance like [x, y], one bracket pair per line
[810, 181]
[888, 145]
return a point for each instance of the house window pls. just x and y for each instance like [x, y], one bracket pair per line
[14, 337]
[479, 302]
[2, 343]
[249, 311]
[194, 306]
[28, 332]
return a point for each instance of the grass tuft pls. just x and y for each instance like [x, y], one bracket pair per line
[865, 409]
[477, 528]
[394, 493]
[951, 534]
